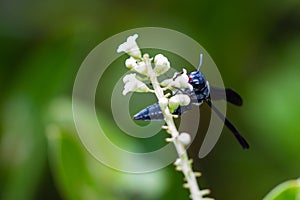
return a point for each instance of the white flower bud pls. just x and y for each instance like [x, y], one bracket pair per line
[181, 99]
[163, 102]
[184, 138]
[130, 47]
[178, 100]
[162, 64]
[131, 63]
[132, 84]
[177, 162]
[134, 65]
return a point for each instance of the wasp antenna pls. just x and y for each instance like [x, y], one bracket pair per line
[200, 62]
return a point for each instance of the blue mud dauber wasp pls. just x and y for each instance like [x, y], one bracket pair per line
[201, 93]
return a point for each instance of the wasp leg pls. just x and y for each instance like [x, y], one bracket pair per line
[230, 126]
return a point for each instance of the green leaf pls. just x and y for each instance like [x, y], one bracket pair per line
[289, 190]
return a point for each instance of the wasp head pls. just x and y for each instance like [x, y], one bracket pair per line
[197, 79]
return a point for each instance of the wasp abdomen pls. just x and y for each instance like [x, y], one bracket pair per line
[152, 112]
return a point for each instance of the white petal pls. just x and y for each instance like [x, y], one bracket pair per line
[127, 88]
[184, 138]
[160, 59]
[136, 66]
[128, 44]
[141, 68]
[141, 87]
[130, 47]
[178, 162]
[129, 77]
[162, 64]
[132, 84]
[181, 80]
[180, 99]
[131, 63]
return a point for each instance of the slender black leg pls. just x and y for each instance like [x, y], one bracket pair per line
[230, 126]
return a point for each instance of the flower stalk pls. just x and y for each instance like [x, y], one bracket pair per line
[180, 141]
[184, 164]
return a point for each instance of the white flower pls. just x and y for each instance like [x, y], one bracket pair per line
[132, 84]
[162, 64]
[134, 65]
[184, 138]
[130, 47]
[179, 80]
[178, 164]
[178, 100]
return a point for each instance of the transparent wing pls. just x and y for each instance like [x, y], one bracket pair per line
[226, 94]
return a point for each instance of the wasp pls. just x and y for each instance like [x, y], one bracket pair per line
[201, 94]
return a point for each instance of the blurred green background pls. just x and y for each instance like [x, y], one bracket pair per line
[255, 44]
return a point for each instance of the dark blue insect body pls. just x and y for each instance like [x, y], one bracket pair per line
[200, 86]
[154, 112]
[201, 93]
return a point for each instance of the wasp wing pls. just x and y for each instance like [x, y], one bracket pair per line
[230, 126]
[226, 94]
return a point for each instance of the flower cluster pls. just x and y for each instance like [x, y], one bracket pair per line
[136, 63]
